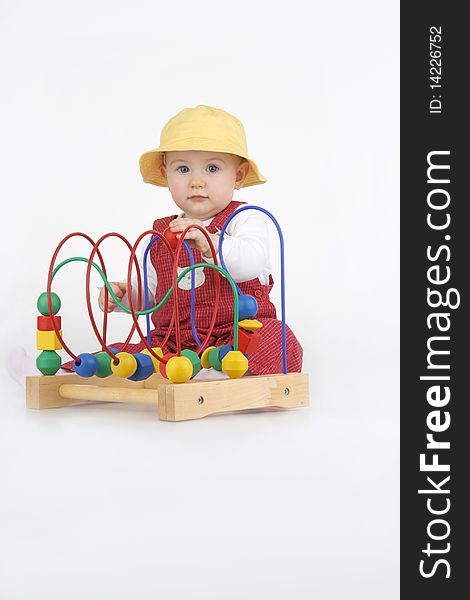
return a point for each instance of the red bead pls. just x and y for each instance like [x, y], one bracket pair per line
[248, 342]
[170, 236]
[45, 323]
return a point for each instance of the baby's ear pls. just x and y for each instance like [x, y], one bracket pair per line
[163, 171]
[242, 172]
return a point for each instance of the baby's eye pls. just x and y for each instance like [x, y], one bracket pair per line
[181, 169]
[212, 168]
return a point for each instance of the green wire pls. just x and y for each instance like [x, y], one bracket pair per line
[168, 294]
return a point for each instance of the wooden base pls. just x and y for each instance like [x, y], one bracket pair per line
[176, 402]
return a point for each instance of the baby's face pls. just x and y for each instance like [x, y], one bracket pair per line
[202, 183]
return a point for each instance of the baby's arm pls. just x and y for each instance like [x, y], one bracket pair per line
[246, 247]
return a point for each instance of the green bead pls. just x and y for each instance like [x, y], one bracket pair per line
[214, 359]
[48, 362]
[43, 307]
[104, 364]
[195, 360]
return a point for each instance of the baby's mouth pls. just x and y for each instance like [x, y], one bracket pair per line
[198, 197]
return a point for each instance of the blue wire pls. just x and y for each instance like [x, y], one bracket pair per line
[146, 289]
[283, 292]
[193, 294]
[193, 290]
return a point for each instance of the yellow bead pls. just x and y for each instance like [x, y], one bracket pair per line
[47, 340]
[235, 364]
[250, 324]
[156, 363]
[205, 357]
[179, 369]
[127, 365]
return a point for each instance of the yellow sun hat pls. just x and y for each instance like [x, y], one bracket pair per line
[199, 128]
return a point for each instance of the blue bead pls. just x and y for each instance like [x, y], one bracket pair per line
[144, 367]
[224, 350]
[86, 365]
[247, 307]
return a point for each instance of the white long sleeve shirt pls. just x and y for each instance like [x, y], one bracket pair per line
[245, 251]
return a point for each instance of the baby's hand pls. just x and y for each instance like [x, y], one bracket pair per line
[119, 288]
[195, 237]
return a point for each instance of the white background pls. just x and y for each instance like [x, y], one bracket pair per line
[105, 501]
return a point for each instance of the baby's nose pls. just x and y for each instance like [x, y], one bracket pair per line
[197, 181]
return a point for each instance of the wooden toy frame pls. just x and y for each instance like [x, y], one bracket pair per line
[175, 402]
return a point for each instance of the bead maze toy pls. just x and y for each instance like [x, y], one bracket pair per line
[150, 376]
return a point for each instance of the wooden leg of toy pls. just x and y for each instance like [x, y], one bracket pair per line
[93, 393]
[63, 390]
[43, 391]
[197, 399]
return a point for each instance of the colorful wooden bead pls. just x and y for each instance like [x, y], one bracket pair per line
[86, 365]
[168, 355]
[235, 364]
[104, 363]
[224, 350]
[145, 367]
[214, 359]
[45, 323]
[250, 324]
[179, 369]
[248, 342]
[155, 361]
[170, 236]
[43, 307]
[126, 365]
[247, 307]
[48, 362]
[195, 360]
[205, 357]
[47, 340]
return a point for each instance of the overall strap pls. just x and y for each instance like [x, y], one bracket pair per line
[218, 221]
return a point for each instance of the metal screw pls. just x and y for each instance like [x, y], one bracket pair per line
[200, 400]
[286, 391]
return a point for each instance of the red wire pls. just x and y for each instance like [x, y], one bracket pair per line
[88, 297]
[133, 259]
[175, 289]
[136, 325]
[175, 315]
[49, 292]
